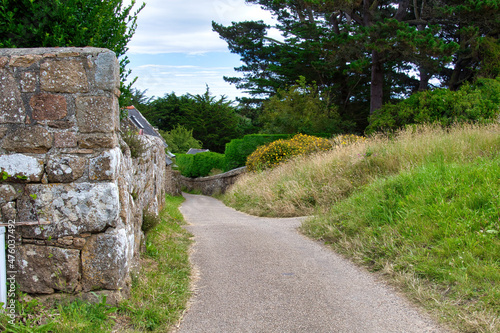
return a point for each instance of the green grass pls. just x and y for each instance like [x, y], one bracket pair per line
[159, 293]
[75, 316]
[421, 207]
[439, 224]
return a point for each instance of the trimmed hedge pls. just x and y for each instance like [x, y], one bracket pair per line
[199, 165]
[237, 151]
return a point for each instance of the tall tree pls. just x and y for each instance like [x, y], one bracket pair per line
[140, 100]
[474, 25]
[212, 121]
[249, 40]
[351, 45]
[168, 111]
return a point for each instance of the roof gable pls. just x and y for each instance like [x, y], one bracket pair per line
[141, 123]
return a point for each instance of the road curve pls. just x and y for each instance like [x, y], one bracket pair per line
[261, 275]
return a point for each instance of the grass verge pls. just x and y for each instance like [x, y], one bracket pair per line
[159, 292]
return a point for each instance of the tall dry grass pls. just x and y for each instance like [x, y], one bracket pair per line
[304, 184]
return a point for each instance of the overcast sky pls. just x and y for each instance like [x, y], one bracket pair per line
[175, 50]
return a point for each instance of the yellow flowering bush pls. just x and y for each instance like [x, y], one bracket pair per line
[278, 151]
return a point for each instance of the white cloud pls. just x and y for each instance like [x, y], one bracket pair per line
[185, 26]
[161, 79]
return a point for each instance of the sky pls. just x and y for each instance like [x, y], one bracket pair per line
[175, 50]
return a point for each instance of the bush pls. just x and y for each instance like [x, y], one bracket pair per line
[238, 150]
[478, 102]
[199, 165]
[302, 108]
[180, 139]
[135, 144]
[149, 221]
[274, 153]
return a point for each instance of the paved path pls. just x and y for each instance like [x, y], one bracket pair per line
[261, 275]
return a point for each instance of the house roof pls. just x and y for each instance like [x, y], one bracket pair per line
[141, 123]
[193, 151]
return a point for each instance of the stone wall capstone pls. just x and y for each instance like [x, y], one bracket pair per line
[60, 132]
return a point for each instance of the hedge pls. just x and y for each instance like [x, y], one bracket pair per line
[199, 165]
[238, 150]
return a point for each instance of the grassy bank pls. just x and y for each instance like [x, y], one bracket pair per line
[436, 229]
[305, 184]
[422, 207]
[159, 292]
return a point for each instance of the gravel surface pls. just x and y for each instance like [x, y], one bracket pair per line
[261, 275]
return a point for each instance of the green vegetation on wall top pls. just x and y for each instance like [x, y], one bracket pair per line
[199, 165]
[237, 150]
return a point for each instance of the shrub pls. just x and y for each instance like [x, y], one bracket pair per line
[274, 153]
[302, 108]
[135, 144]
[238, 150]
[149, 221]
[478, 102]
[180, 139]
[199, 165]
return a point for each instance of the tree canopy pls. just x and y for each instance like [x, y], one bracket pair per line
[365, 53]
[301, 109]
[212, 121]
[180, 140]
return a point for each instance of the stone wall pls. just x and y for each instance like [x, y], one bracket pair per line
[212, 184]
[59, 129]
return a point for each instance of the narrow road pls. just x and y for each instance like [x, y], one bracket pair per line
[262, 275]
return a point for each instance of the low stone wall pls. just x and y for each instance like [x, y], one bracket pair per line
[59, 130]
[213, 184]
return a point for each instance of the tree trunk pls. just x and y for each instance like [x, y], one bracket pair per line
[377, 84]
[454, 82]
[424, 79]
